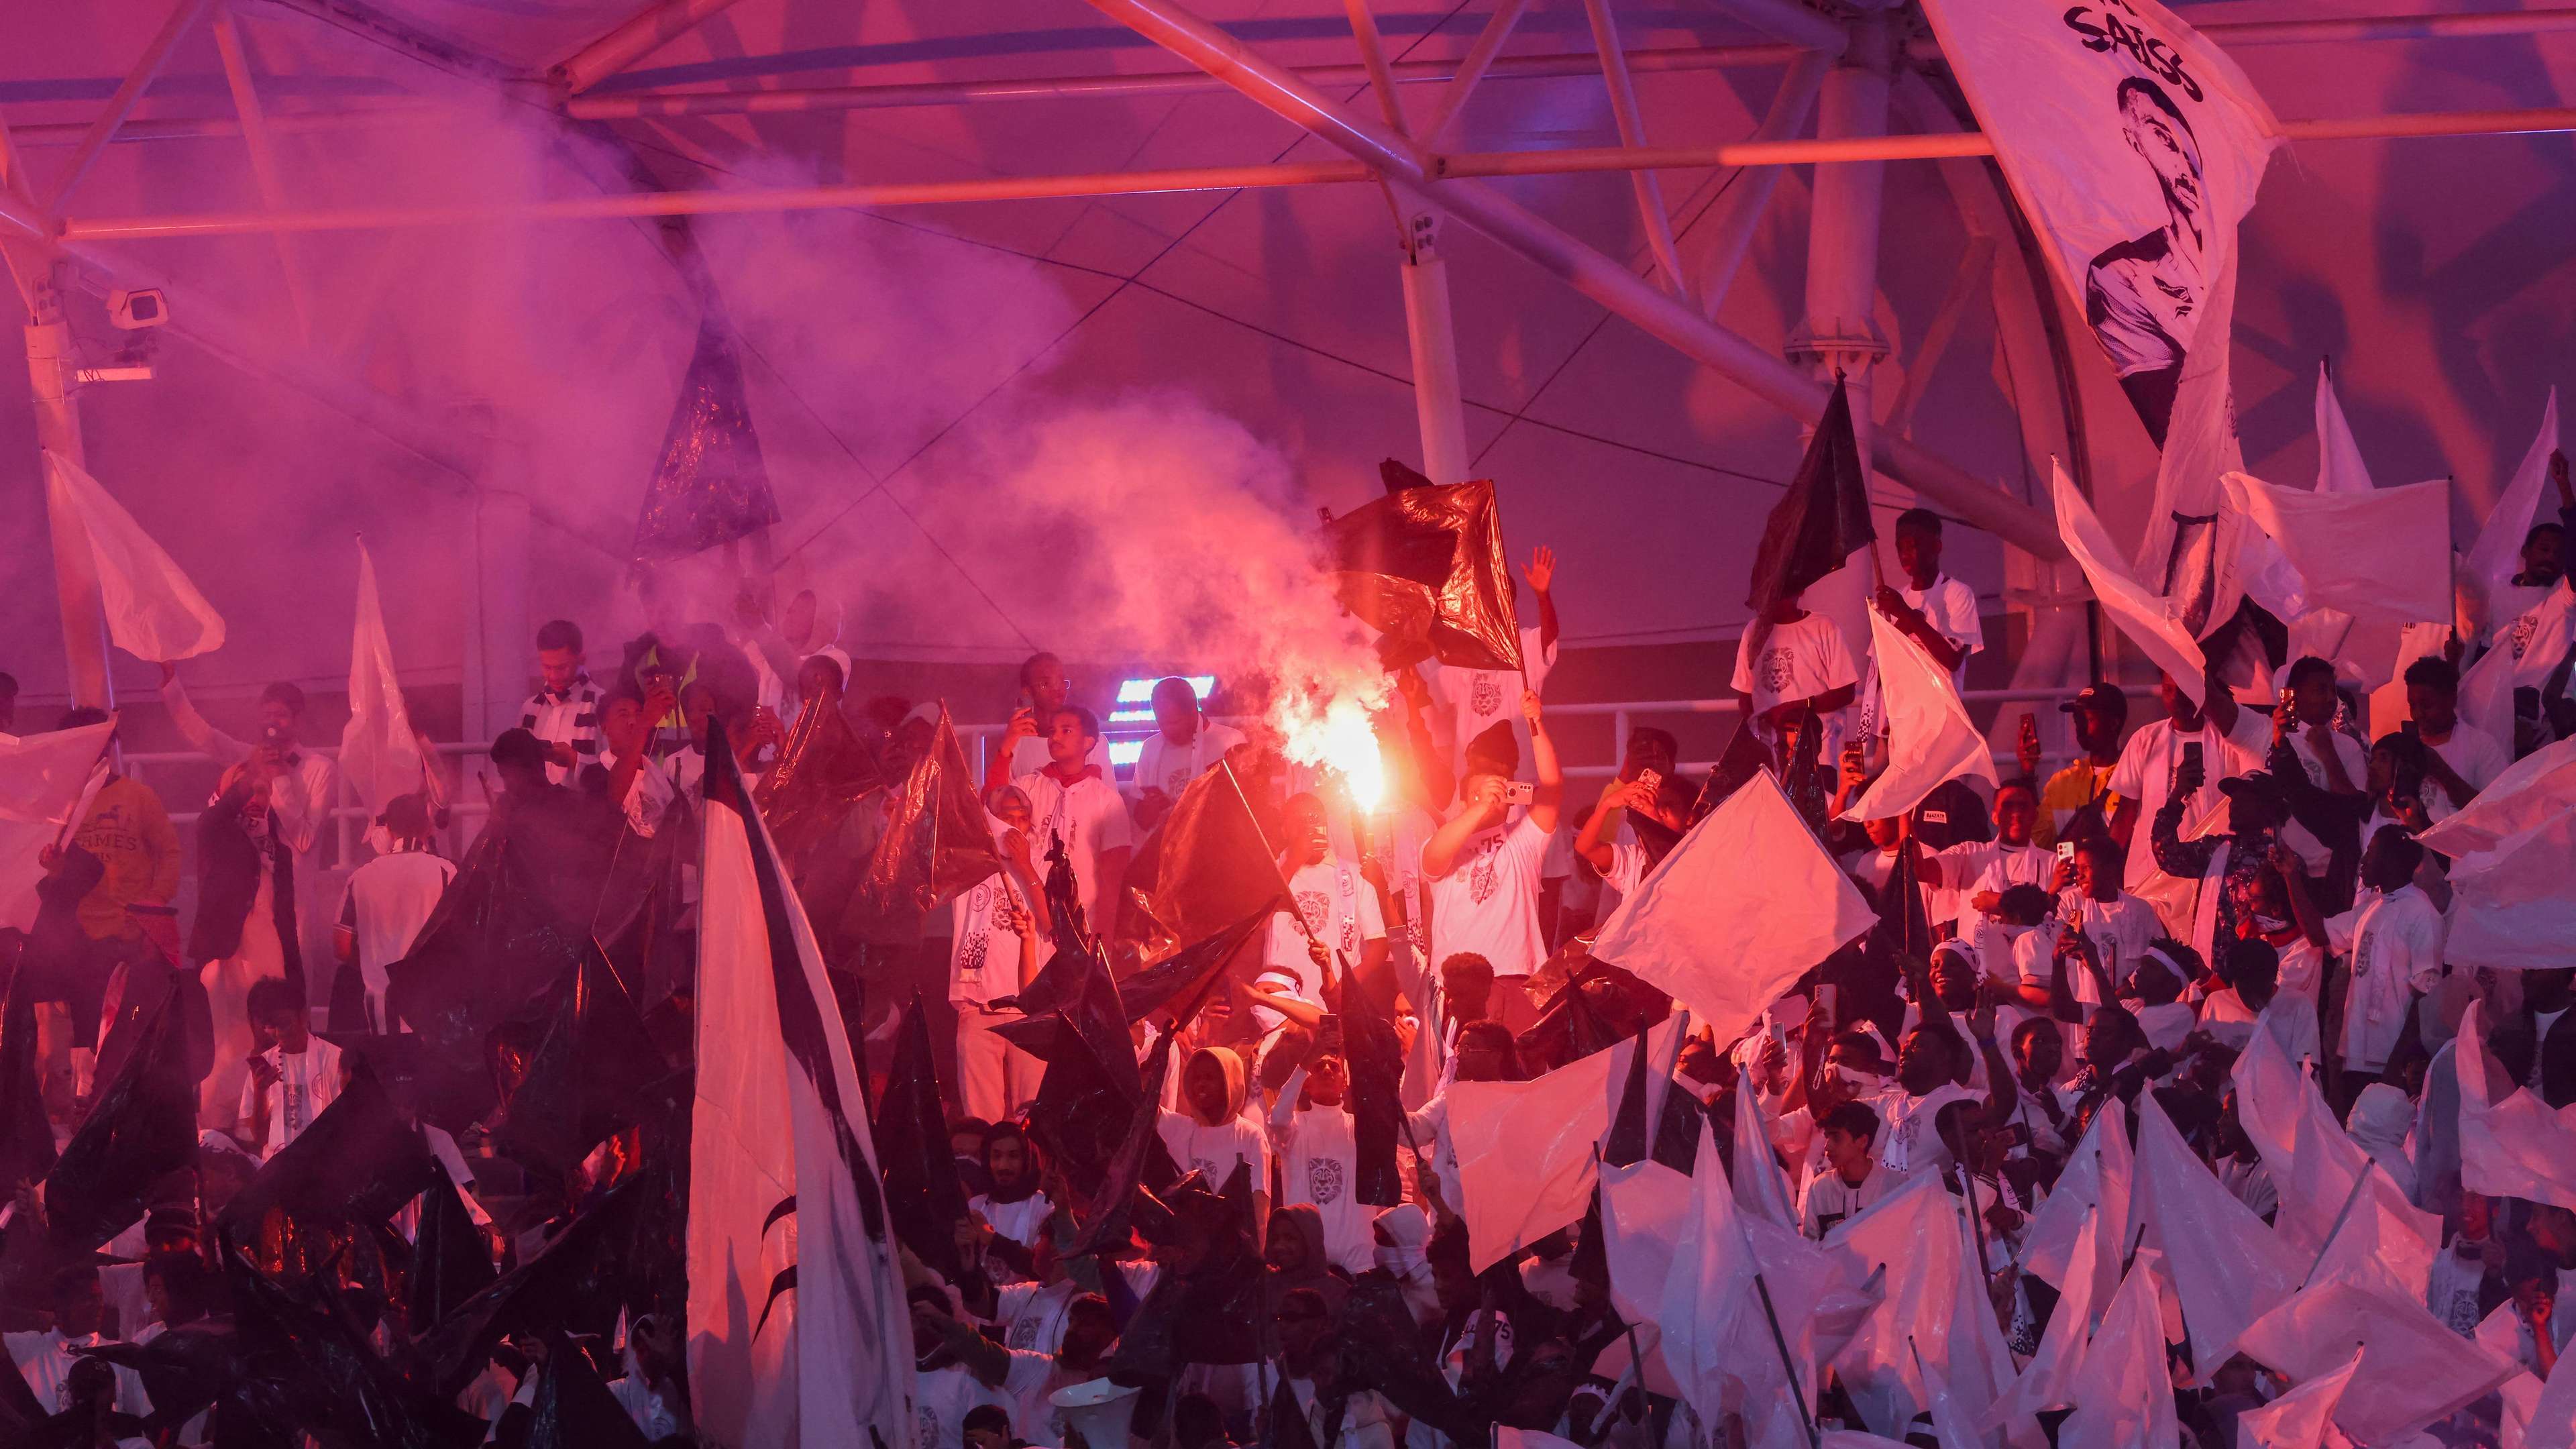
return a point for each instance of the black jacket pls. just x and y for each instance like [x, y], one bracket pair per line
[228, 861]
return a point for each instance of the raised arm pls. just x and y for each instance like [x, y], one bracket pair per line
[1592, 842]
[1551, 779]
[1541, 573]
[192, 725]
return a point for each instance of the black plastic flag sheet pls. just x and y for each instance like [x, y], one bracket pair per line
[1424, 566]
[710, 485]
[796, 1303]
[936, 845]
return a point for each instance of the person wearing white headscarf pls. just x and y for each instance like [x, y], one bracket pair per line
[2379, 1119]
[1403, 1237]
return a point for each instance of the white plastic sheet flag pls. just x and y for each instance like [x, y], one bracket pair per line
[1706, 927]
[2228, 1267]
[2523, 659]
[2135, 147]
[2553, 1413]
[2048, 1380]
[43, 781]
[2513, 850]
[153, 611]
[2496, 556]
[1930, 739]
[2414, 1370]
[2340, 468]
[2514, 1145]
[2384, 1241]
[2145, 616]
[379, 752]
[798, 1333]
[1935, 1302]
[1528, 1152]
[2099, 1173]
[2123, 1393]
[2299, 1419]
[1761, 1188]
[2384, 554]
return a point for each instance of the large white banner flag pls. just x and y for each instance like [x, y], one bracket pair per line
[1713, 926]
[798, 1331]
[2145, 616]
[2135, 147]
[1930, 739]
[43, 781]
[153, 612]
[2381, 554]
[378, 750]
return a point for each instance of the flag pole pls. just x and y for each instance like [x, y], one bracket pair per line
[1780, 1341]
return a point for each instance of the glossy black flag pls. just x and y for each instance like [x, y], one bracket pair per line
[1424, 566]
[710, 485]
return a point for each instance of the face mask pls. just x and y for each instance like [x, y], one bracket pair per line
[1392, 1260]
[1266, 1018]
[1862, 1082]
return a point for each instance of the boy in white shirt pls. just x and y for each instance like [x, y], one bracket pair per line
[2459, 758]
[2231, 742]
[1318, 1147]
[1074, 799]
[1214, 1136]
[390, 899]
[999, 940]
[1339, 905]
[1978, 872]
[1184, 746]
[2394, 935]
[1934, 609]
[2117, 923]
[1472, 701]
[2334, 761]
[1853, 1179]
[294, 1076]
[1789, 663]
[1484, 872]
[1046, 687]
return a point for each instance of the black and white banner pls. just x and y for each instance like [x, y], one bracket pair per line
[2135, 147]
[798, 1333]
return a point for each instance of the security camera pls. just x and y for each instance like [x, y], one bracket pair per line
[138, 309]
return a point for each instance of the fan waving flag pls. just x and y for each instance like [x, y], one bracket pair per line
[379, 752]
[2135, 147]
[798, 1335]
[1930, 739]
[1424, 567]
[44, 780]
[153, 612]
[936, 844]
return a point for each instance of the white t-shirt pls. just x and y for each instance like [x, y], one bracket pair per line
[1196, 1147]
[984, 953]
[307, 1082]
[390, 898]
[943, 1397]
[1341, 906]
[2395, 940]
[1162, 765]
[1091, 816]
[1479, 699]
[1488, 902]
[2119, 930]
[1021, 1221]
[1829, 1199]
[2397, 950]
[2476, 756]
[2145, 775]
[1799, 661]
[1319, 1164]
[649, 796]
[1909, 1143]
[1950, 607]
[45, 1360]
[1989, 865]
[2312, 853]
[1628, 870]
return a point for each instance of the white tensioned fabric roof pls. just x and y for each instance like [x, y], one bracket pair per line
[946, 393]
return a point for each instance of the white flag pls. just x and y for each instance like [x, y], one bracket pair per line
[2135, 147]
[1528, 1151]
[798, 1332]
[2049, 1379]
[2228, 1267]
[1935, 1306]
[1929, 738]
[2339, 465]
[2298, 1419]
[2516, 1145]
[2142, 614]
[2414, 1369]
[153, 612]
[2123, 1392]
[2102, 1173]
[2513, 851]
[1761, 1188]
[2384, 554]
[43, 780]
[1706, 927]
[378, 750]
[2496, 556]
[2524, 657]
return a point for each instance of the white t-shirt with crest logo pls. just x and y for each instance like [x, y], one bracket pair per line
[1488, 902]
[1341, 906]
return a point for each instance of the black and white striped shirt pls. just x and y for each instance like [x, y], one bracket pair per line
[567, 718]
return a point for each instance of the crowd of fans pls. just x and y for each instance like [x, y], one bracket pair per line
[2123, 927]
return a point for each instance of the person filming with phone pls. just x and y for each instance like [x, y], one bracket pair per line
[1483, 862]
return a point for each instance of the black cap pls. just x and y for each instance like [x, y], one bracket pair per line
[2254, 785]
[2105, 698]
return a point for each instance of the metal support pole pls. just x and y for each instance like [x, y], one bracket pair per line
[263, 160]
[137, 80]
[1602, 278]
[649, 30]
[496, 643]
[1740, 210]
[1840, 333]
[1480, 59]
[1651, 212]
[1373, 56]
[1436, 400]
[50, 362]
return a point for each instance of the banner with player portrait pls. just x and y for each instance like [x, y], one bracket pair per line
[2135, 147]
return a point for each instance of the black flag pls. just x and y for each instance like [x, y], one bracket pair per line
[935, 846]
[1141, 1161]
[587, 1077]
[576, 1283]
[710, 485]
[143, 1128]
[26, 1136]
[1376, 1070]
[451, 1261]
[355, 1166]
[574, 1410]
[1820, 522]
[1209, 864]
[1424, 566]
[923, 1193]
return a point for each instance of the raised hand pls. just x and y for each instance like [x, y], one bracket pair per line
[1542, 569]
